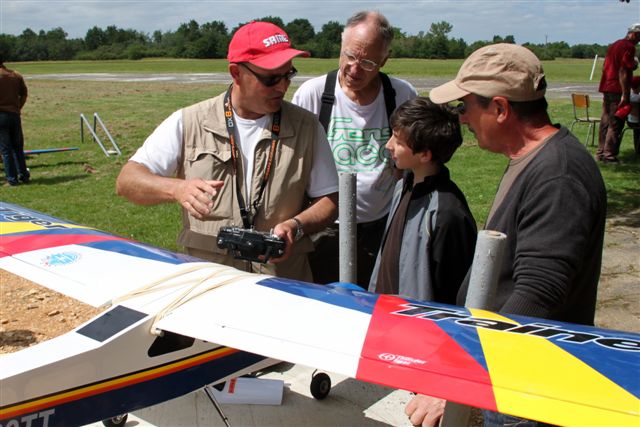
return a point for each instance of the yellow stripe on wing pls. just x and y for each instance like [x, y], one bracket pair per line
[531, 375]
[23, 227]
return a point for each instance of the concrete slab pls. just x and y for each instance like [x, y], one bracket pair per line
[350, 403]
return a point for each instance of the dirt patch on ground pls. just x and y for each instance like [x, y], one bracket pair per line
[618, 292]
[30, 313]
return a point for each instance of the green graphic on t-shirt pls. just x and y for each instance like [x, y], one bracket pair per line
[358, 149]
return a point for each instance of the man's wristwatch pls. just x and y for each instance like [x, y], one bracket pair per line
[299, 230]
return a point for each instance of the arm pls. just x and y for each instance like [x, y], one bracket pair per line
[148, 178]
[322, 189]
[624, 76]
[141, 186]
[627, 64]
[322, 212]
[554, 225]
[24, 92]
[452, 252]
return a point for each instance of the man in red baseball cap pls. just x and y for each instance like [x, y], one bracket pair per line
[246, 158]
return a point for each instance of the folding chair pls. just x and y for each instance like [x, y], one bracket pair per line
[581, 115]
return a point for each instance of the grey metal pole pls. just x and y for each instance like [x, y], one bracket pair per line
[93, 134]
[347, 227]
[483, 282]
[487, 260]
[97, 118]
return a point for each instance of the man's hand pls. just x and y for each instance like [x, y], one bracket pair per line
[286, 231]
[196, 195]
[425, 410]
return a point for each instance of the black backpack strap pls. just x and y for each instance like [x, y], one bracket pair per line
[328, 98]
[389, 94]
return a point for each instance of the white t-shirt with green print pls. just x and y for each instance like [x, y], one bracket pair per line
[357, 135]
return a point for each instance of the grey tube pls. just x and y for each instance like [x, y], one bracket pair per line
[347, 227]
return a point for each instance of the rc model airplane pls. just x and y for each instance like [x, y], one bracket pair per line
[175, 324]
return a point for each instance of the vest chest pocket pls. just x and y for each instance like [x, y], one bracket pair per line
[214, 165]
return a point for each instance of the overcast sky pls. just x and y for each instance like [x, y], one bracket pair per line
[536, 21]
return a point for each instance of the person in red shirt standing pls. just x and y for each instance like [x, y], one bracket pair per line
[615, 87]
[13, 95]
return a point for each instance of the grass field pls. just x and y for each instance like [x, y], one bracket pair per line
[79, 185]
[565, 70]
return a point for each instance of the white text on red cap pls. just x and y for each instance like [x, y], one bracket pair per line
[278, 38]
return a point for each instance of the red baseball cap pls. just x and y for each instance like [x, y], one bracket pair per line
[263, 44]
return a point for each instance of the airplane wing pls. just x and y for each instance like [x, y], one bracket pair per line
[553, 372]
[84, 263]
[539, 369]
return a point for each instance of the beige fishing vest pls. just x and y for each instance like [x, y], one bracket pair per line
[207, 155]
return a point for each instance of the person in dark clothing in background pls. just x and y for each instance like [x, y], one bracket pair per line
[615, 85]
[13, 96]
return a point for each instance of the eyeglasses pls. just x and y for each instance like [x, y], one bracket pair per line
[365, 64]
[274, 79]
[460, 108]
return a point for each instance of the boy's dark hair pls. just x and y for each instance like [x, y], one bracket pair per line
[428, 126]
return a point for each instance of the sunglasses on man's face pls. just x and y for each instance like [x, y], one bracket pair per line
[274, 79]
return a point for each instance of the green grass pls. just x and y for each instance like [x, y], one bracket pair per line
[566, 70]
[79, 185]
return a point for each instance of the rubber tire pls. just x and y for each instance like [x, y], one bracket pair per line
[118, 421]
[320, 385]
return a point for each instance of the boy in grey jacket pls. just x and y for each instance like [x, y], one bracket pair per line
[430, 235]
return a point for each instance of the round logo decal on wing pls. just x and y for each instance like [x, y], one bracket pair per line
[386, 357]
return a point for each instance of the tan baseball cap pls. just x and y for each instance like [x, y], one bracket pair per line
[501, 69]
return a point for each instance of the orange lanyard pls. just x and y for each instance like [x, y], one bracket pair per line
[246, 213]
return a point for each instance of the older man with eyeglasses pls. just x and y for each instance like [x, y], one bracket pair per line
[245, 158]
[354, 104]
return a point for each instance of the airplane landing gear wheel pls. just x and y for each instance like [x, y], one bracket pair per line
[118, 421]
[320, 385]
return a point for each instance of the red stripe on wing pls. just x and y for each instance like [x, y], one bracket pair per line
[11, 245]
[416, 354]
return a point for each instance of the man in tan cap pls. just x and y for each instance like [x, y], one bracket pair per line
[245, 158]
[551, 202]
[615, 85]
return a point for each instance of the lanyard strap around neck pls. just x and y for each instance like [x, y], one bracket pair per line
[245, 213]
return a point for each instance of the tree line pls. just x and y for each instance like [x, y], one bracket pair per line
[210, 40]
